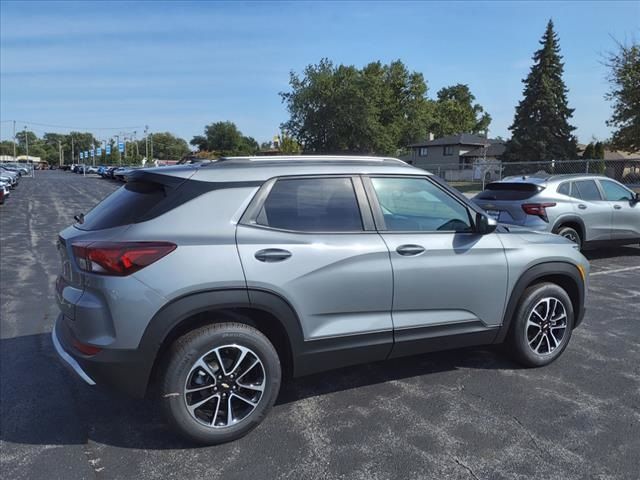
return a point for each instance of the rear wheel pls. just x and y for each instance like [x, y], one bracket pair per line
[220, 382]
[570, 234]
[542, 325]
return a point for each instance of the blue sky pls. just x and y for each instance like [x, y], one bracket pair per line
[176, 66]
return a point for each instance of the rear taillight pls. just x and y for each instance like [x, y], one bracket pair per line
[537, 209]
[119, 258]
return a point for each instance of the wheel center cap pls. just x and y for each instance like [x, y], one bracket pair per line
[225, 385]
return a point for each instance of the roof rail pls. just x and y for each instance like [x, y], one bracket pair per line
[310, 158]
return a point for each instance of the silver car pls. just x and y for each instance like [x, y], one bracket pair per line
[213, 282]
[589, 210]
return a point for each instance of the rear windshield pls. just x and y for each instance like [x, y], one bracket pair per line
[124, 206]
[509, 191]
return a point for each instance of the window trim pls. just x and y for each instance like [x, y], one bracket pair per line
[249, 217]
[378, 216]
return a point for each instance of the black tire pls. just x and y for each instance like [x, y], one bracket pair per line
[186, 351]
[570, 234]
[520, 336]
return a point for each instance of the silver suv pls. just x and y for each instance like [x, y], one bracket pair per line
[205, 285]
[588, 210]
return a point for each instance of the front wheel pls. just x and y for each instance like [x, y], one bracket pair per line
[541, 328]
[220, 382]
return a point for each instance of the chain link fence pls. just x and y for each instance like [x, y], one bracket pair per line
[473, 177]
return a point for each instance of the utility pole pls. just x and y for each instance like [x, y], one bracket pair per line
[60, 151]
[146, 142]
[14, 142]
[26, 139]
[151, 138]
[72, 159]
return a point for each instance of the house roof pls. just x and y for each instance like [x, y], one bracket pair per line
[611, 154]
[493, 150]
[456, 139]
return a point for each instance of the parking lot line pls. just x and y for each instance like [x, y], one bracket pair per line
[615, 270]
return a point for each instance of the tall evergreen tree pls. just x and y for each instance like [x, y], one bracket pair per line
[541, 129]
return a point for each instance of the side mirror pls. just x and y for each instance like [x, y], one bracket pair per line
[484, 224]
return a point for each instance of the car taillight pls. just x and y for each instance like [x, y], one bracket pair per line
[537, 209]
[119, 258]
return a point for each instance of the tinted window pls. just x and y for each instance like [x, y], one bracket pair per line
[509, 191]
[124, 206]
[565, 188]
[415, 204]
[312, 205]
[614, 192]
[586, 190]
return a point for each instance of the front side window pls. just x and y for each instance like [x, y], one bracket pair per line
[417, 205]
[614, 192]
[586, 190]
[312, 205]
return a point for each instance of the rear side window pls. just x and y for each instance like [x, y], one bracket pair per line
[312, 205]
[565, 188]
[124, 206]
[509, 191]
[586, 190]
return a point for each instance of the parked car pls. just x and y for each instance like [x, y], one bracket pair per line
[222, 278]
[589, 210]
[1, 195]
[9, 175]
[17, 167]
[5, 187]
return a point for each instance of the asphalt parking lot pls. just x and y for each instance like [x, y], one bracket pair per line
[468, 414]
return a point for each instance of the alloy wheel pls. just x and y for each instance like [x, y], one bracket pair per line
[224, 386]
[546, 326]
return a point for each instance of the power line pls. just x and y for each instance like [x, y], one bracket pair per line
[71, 128]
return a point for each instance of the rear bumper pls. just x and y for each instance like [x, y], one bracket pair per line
[68, 359]
[125, 371]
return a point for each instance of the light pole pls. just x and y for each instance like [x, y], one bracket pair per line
[26, 139]
[60, 152]
[14, 142]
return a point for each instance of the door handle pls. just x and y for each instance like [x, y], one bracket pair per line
[617, 207]
[410, 250]
[272, 255]
[582, 206]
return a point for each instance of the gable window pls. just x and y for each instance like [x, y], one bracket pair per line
[447, 150]
[423, 151]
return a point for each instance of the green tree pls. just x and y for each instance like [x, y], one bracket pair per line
[224, 138]
[624, 77]
[541, 129]
[376, 109]
[6, 147]
[166, 146]
[588, 153]
[288, 144]
[456, 112]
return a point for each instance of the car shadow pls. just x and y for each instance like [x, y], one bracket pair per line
[43, 403]
[609, 252]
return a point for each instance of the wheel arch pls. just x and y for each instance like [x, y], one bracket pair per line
[264, 310]
[572, 221]
[564, 274]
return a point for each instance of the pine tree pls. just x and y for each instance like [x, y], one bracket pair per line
[541, 129]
